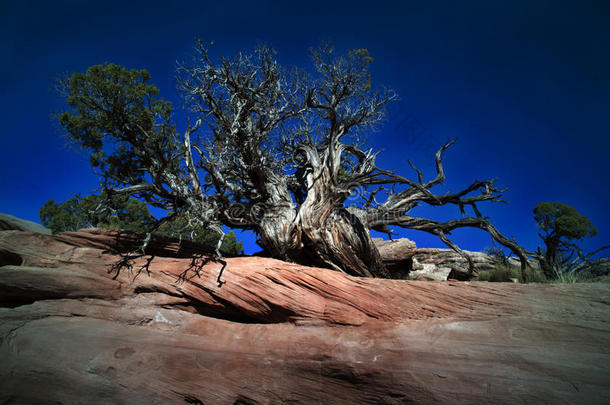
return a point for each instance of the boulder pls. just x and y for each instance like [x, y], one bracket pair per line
[9, 222]
[429, 258]
[83, 320]
[430, 272]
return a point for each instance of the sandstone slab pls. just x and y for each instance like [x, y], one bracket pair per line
[98, 326]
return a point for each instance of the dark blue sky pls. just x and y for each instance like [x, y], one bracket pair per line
[524, 85]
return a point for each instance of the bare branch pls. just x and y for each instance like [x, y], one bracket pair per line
[188, 157]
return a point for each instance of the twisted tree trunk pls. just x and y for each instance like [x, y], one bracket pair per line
[333, 237]
[549, 263]
[322, 231]
[329, 237]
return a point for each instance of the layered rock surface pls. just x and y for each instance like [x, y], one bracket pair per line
[83, 322]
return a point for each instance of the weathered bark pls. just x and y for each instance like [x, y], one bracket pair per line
[548, 262]
[328, 232]
[323, 232]
[336, 239]
[329, 237]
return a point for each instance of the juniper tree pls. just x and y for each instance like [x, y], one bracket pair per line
[559, 225]
[268, 149]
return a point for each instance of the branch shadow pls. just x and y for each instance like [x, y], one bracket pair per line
[137, 250]
[198, 262]
[127, 262]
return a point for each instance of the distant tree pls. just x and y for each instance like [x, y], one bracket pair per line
[96, 211]
[130, 214]
[267, 149]
[559, 224]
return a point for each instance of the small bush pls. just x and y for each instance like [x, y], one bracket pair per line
[572, 277]
[500, 274]
[535, 276]
[498, 255]
[506, 274]
[564, 274]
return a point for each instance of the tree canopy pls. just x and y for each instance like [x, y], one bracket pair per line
[266, 148]
[559, 220]
[122, 212]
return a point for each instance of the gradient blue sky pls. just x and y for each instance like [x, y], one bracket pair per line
[524, 85]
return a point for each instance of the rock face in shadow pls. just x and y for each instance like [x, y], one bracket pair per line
[83, 322]
[9, 222]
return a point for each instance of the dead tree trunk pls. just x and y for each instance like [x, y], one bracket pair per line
[323, 232]
[332, 237]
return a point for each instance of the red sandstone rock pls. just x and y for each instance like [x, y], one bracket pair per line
[161, 330]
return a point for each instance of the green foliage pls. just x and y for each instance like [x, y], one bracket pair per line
[361, 58]
[119, 118]
[506, 274]
[361, 53]
[93, 211]
[180, 227]
[230, 245]
[111, 110]
[130, 214]
[559, 220]
[570, 277]
[576, 271]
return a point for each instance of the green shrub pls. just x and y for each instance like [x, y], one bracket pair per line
[506, 274]
[122, 212]
[497, 254]
[564, 274]
[572, 277]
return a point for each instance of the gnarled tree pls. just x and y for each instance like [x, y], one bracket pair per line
[272, 150]
[559, 224]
